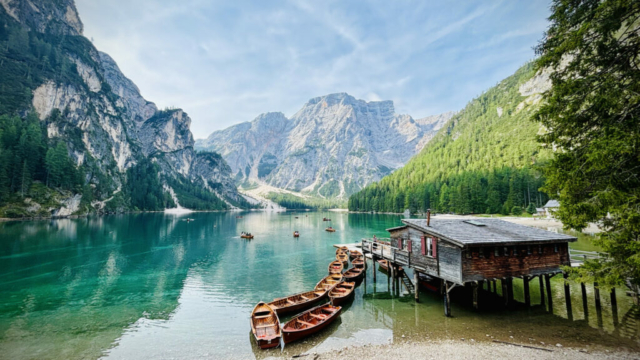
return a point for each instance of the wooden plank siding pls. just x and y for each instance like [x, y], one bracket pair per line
[484, 264]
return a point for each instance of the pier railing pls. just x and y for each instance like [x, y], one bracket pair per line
[578, 257]
[380, 249]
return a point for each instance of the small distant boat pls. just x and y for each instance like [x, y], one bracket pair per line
[296, 234]
[336, 267]
[341, 293]
[330, 229]
[297, 302]
[246, 236]
[384, 264]
[325, 219]
[328, 283]
[359, 263]
[309, 322]
[296, 217]
[344, 249]
[344, 258]
[265, 326]
[355, 254]
[354, 274]
[189, 219]
[238, 217]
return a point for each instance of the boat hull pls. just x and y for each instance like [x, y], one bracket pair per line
[291, 336]
[268, 344]
[299, 307]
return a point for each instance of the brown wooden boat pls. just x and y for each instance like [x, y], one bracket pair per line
[297, 302]
[354, 254]
[309, 322]
[359, 263]
[326, 219]
[344, 258]
[296, 234]
[341, 293]
[336, 267]
[330, 229]
[246, 236]
[384, 265]
[328, 283]
[343, 249]
[265, 326]
[353, 274]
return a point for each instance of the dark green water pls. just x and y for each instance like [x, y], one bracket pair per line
[154, 286]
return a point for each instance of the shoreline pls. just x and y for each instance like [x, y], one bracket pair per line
[467, 349]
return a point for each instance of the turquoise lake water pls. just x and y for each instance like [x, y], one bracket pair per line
[143, 286]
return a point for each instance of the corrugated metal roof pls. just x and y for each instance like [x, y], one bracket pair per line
[494, 231]
[552, 204]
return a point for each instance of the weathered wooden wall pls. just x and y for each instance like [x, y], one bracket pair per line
[490, 266]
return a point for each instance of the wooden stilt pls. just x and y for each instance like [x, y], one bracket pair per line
[442, 287]
[510, 289]
[596, 292]
[585, 303]
[416, 286]
[373, 265]
[475, 295]
[541, 285]
[527, 294]
[390, 278]
[614, 307]
[567, 297]
[547, 280]
[447, 301]
[505, 292]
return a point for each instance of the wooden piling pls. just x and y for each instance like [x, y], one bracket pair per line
[585, 303]
[596, 292]
[614, 307]
[373, 265]
[447, 301]
[475, 295]
[541, 285]
[567, 297]
[527, 293]
[547, 280]
[505, 292]
[416, 286]
[510, 289]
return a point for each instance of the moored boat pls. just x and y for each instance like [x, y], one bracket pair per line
[341, 293]
[325, 219]
[245, 235]
[354, 254]
[353, 274]
[384, 265]
[359, 263]
[344, 258]
[326, 284]
[265, 326]
[343, 249]
[309, 322]
[330, 229]
[336, 267]
[296, 234]
[297, 302]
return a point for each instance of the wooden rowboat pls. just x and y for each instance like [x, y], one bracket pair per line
[265, 326]
[344, 258]
[297, 302]
[341, 293]
[336, 267]
[296, 234]
[309, 322]
[246, 236]
[384, 265]
[359, 263]
[328, 283]
[353, 274]
[326, 219]
[355, 254]
[330, 229]
[343, 249]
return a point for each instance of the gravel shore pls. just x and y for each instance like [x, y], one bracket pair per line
[465, 350]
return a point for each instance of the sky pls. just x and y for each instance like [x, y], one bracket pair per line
[226, 62]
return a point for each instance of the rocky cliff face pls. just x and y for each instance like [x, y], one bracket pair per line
[332, 147]
[106, 123]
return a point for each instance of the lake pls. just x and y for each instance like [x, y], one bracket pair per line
[153, 285]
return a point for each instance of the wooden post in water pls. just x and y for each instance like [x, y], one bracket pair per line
[416, 286]
[585, 303]
[373, 265]
[505, 291]
[541, 285]
[567, 297]
[442, 287]
[475, 295]
[390, 277]
[447, 301]
[527, 294]
[495, 286]
[614, 307]
[596, 292]
[547, 280]
[510, 289]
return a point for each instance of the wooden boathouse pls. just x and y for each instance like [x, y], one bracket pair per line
[474, 252]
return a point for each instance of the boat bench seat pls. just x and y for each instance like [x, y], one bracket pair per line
[305, 323]
[262, 317]
[321, 316]
[264, 326]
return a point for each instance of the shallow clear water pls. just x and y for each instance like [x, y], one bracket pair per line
[152, 285]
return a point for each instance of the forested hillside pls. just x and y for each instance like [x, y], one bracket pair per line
[483, 161]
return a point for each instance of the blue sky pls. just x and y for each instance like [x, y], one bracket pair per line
[227, 62]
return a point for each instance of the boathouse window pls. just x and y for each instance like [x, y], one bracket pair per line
[506, 251]
[515, 251]
[496, 251]
[480, 253]
[467, 253]
[528, 250]
[430, 246]
[555, 248]
[540, 249]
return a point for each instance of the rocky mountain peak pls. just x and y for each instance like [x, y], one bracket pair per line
[59, 17]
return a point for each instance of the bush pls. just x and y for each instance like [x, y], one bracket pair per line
[531, 209]
[516, 210]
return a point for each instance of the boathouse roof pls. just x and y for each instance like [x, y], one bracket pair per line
[482, 231]
[552, 204]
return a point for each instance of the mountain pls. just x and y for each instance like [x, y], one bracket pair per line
[332, 147]
[482, 161]
[97, 141]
